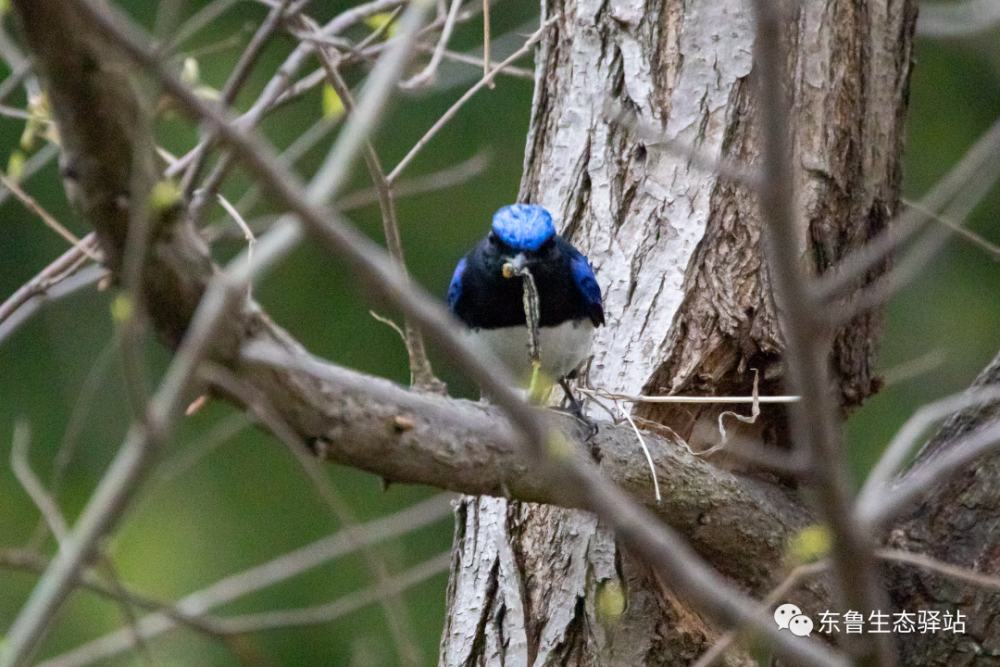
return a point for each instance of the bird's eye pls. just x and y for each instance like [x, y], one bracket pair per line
[492, 238]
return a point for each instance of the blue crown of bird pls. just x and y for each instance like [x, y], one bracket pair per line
[487, 293]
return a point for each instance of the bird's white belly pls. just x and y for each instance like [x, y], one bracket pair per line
[561, 348]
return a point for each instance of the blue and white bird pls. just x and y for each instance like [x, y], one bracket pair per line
[492, 305]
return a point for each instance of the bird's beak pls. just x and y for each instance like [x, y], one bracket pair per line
[513, 266]
[519, 261]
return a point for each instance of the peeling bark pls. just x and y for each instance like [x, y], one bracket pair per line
[354, 419]
[677, 253]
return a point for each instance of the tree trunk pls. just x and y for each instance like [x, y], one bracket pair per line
[959, 523]
[676, 249]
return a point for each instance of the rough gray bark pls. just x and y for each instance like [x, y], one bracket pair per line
[958, 523]
[540, 584]
[677, 252]
[349, 418]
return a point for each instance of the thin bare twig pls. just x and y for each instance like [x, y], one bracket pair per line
[11, 53]
[262, 576]
[935, 565]
[247, 234]
[11, 112]
[421, 374]
[913, 368]
[915, 261]
[702, 399]
[427, 74]
[928, 475]
[661, 547]
[29, 561]
[199, 21]
[52, 515]
[71, 436]
[348, 604]
[44, 501]
[718, 650]
[956, 227]
[481, 63]
[292, 154]
[230, 43]
[438, 180]
[365, 50]
[432, 182]
[50, 221]
[271, 96]
[369, 47]
[980, 162]
[108, 502]
[62, 288]
[371, 103]
[237, 78]
[486, 42]
[813, 420]
[450, 113]
[392, 605]
[32, 166]
[63, 267]
[277, 92]
[895, 454]
[11, 82]
[649, 458]
[219, 434]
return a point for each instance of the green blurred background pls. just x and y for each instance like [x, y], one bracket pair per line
[248, 500]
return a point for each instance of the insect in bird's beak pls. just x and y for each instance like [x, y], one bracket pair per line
[514, 265]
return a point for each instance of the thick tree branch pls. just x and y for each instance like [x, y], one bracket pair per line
[375, 425]
[319, 413]
[956, 522]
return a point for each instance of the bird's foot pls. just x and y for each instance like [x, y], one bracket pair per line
[575, 407]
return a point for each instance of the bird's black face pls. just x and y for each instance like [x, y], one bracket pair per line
[542, 260]
[485, 296]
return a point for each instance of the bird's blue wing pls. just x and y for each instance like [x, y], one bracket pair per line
[455, 288]
[583, 275]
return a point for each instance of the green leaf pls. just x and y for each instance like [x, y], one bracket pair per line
[379, 22]
[121, 309]
[333, 106]
[15, 165]
[164, 195]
